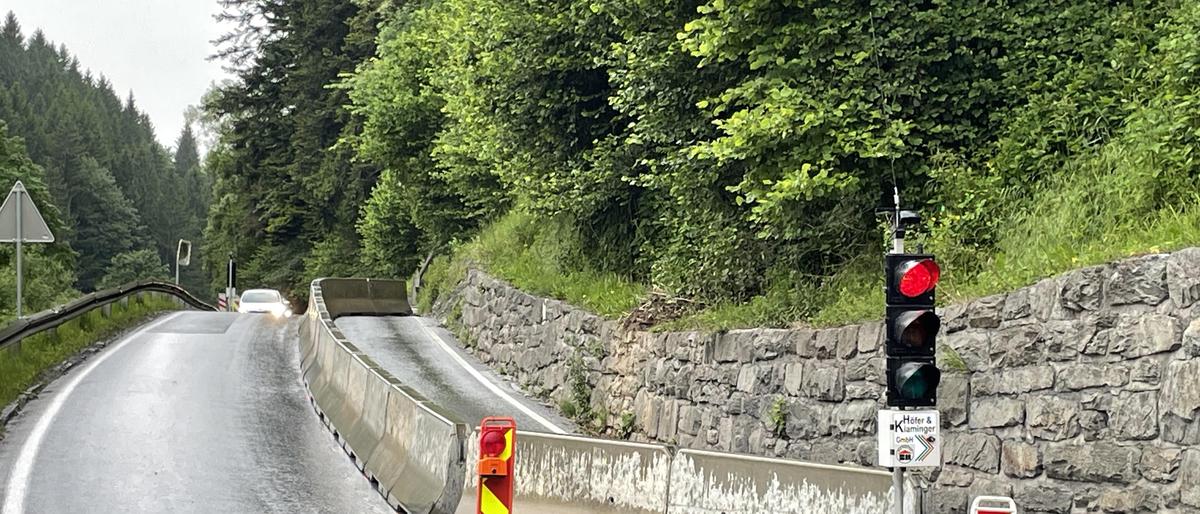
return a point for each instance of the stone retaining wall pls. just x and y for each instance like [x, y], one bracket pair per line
[1081, 392]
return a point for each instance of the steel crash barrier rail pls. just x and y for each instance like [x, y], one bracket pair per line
[20, 329]
[423, 460]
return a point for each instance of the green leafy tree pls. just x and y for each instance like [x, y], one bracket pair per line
[133, 266]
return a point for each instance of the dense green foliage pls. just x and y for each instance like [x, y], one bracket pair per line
[735, 153]
[21, 367]
[133, 266]
[286, 196]
[112, 188]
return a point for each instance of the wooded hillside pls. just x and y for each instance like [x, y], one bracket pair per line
[111, 192]
[733, 153]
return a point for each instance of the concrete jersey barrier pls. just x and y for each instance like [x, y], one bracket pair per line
[705, 482]
[411, 451]
[562, 474]
[422, 460]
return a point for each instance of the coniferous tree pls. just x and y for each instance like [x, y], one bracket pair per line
[117, 187]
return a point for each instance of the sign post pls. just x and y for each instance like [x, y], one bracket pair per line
[20, 222]
[231, 285]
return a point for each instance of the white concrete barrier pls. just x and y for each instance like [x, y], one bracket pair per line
[423, 460]
[411, 452]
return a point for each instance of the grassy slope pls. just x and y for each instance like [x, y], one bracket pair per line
[531, 256]
[19, 369]
[1084, 220]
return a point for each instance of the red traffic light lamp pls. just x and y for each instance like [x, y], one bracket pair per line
[918, 277]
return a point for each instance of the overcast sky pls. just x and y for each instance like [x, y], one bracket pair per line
[156, 48]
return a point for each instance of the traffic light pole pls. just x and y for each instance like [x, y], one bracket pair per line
[898, 472]
[898, 486]
[897, 248]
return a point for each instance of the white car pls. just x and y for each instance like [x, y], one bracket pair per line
[264, 301]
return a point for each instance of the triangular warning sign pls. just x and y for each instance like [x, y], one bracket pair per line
[33, 228]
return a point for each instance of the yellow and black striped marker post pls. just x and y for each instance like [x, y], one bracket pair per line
[497, 439]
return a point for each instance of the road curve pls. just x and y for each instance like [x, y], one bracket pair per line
[194, 412]
[428, 359]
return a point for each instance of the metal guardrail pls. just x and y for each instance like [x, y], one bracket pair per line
[25, 327]
[421, 458]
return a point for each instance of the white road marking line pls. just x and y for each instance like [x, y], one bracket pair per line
[18, 479]
[487, 383]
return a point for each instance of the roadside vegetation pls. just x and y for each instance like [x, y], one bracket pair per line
[731, 155]
[20, 368]
[116, 200]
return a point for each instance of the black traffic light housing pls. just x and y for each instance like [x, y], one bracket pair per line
[912, 327]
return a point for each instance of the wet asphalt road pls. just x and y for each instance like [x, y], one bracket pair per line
[418, 352]
[203, 412]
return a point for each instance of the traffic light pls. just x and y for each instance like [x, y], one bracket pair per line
[912, 328]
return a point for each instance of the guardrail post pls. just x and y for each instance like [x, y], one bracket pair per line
[106, 310]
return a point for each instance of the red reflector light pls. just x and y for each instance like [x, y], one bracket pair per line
[492, 443]
[918, 277]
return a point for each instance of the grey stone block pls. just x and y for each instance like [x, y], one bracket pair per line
[1138, 335]
[1094, 462]
[1044, 497]
[808, 419]
[1015, 346]
[824, 381]
[1139, 280]
[1191, 339]
[1160, 464]
[1073, 377]
[973, 450]
[1181, 389]
[1128, 499]
[1017, 305]
[986, 312]
[954, 396]
[793, 378]
[1052, 418]
[1020, 460]
[1183, 277]
[973, 346]
[870, 336]
[1189, 478]
[855, 418]
[1082, 290]
[1135, 416]
[996, 412]
[847, 345]
[825, 343]
[1013, 380]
